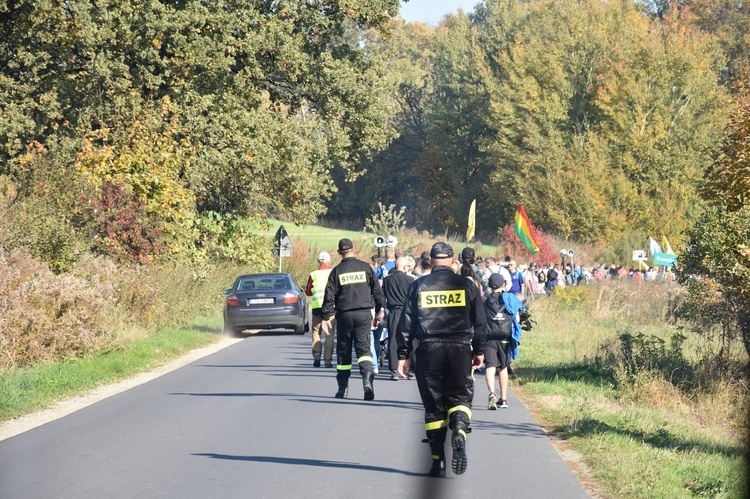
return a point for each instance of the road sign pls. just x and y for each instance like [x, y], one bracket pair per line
[639, 255]
[285, 252]
[282, 238]
[665, 259]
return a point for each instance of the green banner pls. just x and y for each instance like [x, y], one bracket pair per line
[665, 259]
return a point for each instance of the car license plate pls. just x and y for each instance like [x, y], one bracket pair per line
[259, 301]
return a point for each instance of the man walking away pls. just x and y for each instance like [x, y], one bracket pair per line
[443, 310]
[352, 291]
[395, 286]
[316, 286]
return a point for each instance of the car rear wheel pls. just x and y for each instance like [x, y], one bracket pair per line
[237, 332]
[300, 329]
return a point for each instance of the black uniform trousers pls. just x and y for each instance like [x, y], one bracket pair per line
[353, 326]
[445, 384]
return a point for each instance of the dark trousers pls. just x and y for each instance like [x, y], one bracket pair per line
[394, 315]
[443, 373]
[353, 327]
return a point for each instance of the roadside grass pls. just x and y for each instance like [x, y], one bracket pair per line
[31, 389]
[645, 439]
[318, 238]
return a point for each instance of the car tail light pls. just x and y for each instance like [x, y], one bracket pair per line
[232, 300]
[290, 298]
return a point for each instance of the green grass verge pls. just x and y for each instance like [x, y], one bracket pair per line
[317, 236]
[28, 390]
[654, 444]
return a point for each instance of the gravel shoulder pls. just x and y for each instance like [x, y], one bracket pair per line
[28, 422]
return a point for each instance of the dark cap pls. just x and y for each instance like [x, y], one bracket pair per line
[467, 255]
[345, 244]
[441, 250]
[496, 280]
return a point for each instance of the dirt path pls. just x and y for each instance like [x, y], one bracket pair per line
[14, 427]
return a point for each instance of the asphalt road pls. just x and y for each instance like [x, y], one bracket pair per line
[257, 420]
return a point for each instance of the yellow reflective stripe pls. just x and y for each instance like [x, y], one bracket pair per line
[436, 425]
[340, 367]
[435, 457]
[364, 358]
[462, 433]
[461, 408]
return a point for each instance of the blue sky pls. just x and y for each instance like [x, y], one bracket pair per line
[431, 11]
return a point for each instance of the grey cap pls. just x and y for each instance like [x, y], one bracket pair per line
[496, 281]
[441, 250]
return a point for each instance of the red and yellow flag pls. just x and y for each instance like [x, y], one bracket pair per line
[524, 231]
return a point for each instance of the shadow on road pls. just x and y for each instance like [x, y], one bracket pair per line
[308, 462]
[318, 399]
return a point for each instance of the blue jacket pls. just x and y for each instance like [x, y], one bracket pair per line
[513, 305]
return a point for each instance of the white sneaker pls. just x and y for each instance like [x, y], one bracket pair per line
[491, 402]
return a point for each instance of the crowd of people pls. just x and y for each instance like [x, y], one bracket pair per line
[438, 319]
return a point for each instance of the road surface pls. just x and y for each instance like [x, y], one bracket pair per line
[256, 420]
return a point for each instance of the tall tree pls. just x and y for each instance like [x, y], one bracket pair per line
[718, 247]
[604, 118]
[271, 95]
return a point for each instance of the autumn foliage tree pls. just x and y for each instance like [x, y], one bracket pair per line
[547, 253]
[716, 265]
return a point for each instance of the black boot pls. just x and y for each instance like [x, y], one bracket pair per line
[343, 391]
[438, 467]
[367, 379]
[458, 442]
[436, 439]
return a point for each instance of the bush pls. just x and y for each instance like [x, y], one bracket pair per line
[47, 317]
[226, 238]
[387, 221]
[33, 216]
[124, 230]
[573, 296]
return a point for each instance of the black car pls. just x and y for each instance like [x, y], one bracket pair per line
[265, 301]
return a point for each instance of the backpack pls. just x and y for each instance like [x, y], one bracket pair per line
[552, 274]
[541, 277]
[499, 321]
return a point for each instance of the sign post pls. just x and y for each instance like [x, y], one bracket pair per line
[665, 259]
[283, 244]
[640, 257]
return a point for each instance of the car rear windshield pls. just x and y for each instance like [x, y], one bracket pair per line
[265, 283]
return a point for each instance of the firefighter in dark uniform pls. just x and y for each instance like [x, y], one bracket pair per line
[444, 311]
[351, 293]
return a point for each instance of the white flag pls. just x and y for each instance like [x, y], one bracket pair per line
[653, 246]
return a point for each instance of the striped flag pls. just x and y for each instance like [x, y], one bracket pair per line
[472, 221]
[524, 231]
